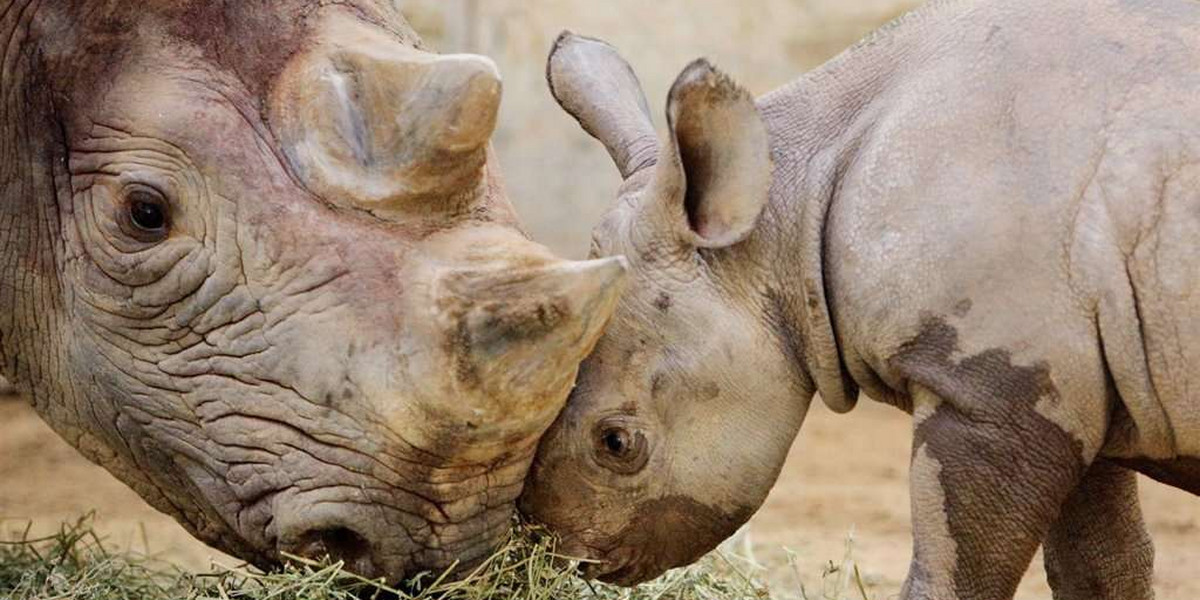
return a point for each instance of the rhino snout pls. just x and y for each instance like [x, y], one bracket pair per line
[377, 537]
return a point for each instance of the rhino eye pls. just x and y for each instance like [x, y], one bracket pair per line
[621, 449]
[146, 215]
[617, 442]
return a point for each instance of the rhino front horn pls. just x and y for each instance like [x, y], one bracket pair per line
[517, 336]
[369, 122]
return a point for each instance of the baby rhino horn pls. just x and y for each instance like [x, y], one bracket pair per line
[520, 334]
[370, 122]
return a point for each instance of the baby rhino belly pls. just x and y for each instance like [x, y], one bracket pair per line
[1158, 363]
[1183, 473]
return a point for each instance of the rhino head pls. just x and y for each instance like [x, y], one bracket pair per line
[258, 264]
[684, 413]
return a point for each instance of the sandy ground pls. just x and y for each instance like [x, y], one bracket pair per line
[846, 473]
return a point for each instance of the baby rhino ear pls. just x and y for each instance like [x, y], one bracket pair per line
[721, 168]
[591, 81]
[711, 179]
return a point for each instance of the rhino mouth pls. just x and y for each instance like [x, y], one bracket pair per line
[608, 563]
[623, 567]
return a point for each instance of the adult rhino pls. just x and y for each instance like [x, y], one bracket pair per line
[259, 265]
[986, 215]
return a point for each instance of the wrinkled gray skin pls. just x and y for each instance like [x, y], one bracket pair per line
[985, 215]
[257, 264]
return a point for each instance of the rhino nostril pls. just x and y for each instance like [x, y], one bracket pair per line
[340, 543]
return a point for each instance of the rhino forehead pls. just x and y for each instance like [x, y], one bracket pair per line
[230, 34]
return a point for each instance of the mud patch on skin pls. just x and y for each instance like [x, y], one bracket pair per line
[1005, 468]
[656, 386]
[962, 307]
[1098, 548]
[663, 302]
[677, 530]
[499, 325]
[481, 331]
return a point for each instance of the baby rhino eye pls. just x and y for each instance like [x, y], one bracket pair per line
[146, 215]
[617, 441]
[620, 448]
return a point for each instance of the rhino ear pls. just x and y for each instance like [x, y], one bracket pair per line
[368, 121]
[591, 81]
[717, 166]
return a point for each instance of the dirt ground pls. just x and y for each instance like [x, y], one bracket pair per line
[846, 473]
[850, 473]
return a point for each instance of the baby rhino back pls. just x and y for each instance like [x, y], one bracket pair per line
[1041, 197]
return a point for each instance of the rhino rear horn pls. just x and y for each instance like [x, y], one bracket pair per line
[591, 81]
[368, 121]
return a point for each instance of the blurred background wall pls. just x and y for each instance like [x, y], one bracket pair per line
[560, 179]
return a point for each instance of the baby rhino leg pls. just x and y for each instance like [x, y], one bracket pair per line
[986, 488]
[1098, 549]
[1000, 444]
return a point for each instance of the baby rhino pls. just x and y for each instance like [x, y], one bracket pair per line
[986, 215]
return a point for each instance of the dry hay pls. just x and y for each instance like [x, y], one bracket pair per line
[75, 564]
